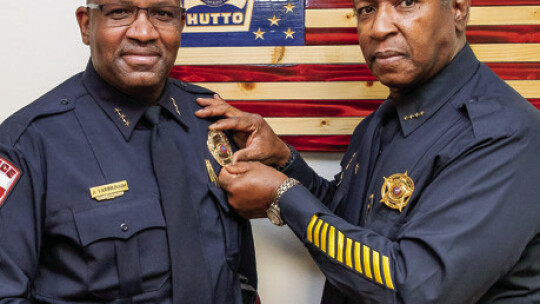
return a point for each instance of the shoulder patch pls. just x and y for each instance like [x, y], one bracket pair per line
[9, 174]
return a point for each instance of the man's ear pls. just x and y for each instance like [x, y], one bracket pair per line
[461, 14]
[84, 21]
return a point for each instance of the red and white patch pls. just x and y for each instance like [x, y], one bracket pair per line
[9, 174]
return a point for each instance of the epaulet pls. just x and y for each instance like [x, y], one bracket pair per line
[490, 119]
[191, 88]
[59, 100]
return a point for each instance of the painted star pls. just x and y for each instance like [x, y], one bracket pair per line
[289, 8]
[274, 21]
[289, 34]
[259, 34]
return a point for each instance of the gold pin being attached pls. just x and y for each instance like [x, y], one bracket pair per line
[109, 191]
[397, 190]
[219, 147]
[211, 173]
[122, 116]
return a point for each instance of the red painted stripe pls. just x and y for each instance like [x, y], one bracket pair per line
[256, 73]
[348, 3]
[319, 72]
[475, 34]
[516, 71]
[333, 143]
[308, 108]
[503, 34]
[535, 102]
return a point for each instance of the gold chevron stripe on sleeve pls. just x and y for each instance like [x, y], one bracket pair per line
[367, 258]
[310, 228]
[348, 253]
[377, 267]
[316, 237]
[340, 246]
[357, 258]
[323, 237]
[387, 274]
[331, 242]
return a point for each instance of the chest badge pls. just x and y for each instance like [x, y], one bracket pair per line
[219, 146]
[397, 190]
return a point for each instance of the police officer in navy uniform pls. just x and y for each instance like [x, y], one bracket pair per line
[109, 190]
[437, 200]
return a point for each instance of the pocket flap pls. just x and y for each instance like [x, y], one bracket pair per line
[121, 220]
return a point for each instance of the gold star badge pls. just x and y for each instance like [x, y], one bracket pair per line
[397, 190]
[289, 34]
[122, 116]
[289, 8]
[259, 34]
[274, 21]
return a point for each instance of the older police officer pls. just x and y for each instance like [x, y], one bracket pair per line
[108, 187]
[437, 199]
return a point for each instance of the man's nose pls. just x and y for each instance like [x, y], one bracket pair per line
[383, 23]
[142, 29]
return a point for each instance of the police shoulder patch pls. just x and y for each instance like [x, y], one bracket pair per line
[9, 174]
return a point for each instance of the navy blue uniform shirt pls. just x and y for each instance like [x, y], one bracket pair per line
[60, 245]
[469, 232]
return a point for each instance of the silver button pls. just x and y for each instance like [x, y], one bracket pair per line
[124, 227]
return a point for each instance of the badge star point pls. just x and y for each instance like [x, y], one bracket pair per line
[289, 34]
[274, 21]
[289, 8]
[259, 34]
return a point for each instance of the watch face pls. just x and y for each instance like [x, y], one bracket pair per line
[274, 217]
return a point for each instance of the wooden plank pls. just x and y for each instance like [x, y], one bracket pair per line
[475, 34]
[314, 125]
[263, 73]
[331, 54]
[484, 15]
[319, 72]
[308, 108]
[299, 90]
[527, 88]
[349, 3]
[317, 90]
[329, 143]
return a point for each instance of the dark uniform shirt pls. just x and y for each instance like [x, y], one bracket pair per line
[60, 245]
[465, 149]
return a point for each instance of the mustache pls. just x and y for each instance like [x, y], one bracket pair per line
[141, 49]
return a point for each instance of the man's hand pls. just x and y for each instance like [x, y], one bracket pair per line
[256, 140]
[250, 187]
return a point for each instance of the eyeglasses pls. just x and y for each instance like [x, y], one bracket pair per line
[125, 14]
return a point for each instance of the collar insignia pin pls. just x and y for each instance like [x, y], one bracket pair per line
[397, 190]
[122, 116]
[175, 107]
[219, 147]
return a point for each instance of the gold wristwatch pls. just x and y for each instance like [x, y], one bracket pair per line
[273, 212]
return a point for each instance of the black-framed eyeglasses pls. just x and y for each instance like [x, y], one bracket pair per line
[125, 14]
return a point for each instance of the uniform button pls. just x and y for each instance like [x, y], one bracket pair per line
[124, 227]
[64, 102]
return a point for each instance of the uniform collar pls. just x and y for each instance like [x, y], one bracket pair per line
[416, 107]
[123, 110]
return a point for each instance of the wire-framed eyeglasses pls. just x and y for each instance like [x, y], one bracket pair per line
[125, 14]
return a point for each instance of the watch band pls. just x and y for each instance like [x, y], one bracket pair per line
[274, 212]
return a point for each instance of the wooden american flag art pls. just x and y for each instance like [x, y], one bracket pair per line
[313, 92]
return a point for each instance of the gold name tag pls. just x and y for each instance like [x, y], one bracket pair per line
[109, 191]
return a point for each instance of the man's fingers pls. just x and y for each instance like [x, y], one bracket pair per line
[233, 123]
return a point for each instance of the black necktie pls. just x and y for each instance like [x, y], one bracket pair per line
[190, 276]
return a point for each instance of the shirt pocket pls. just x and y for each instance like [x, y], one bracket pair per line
[125, 247]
